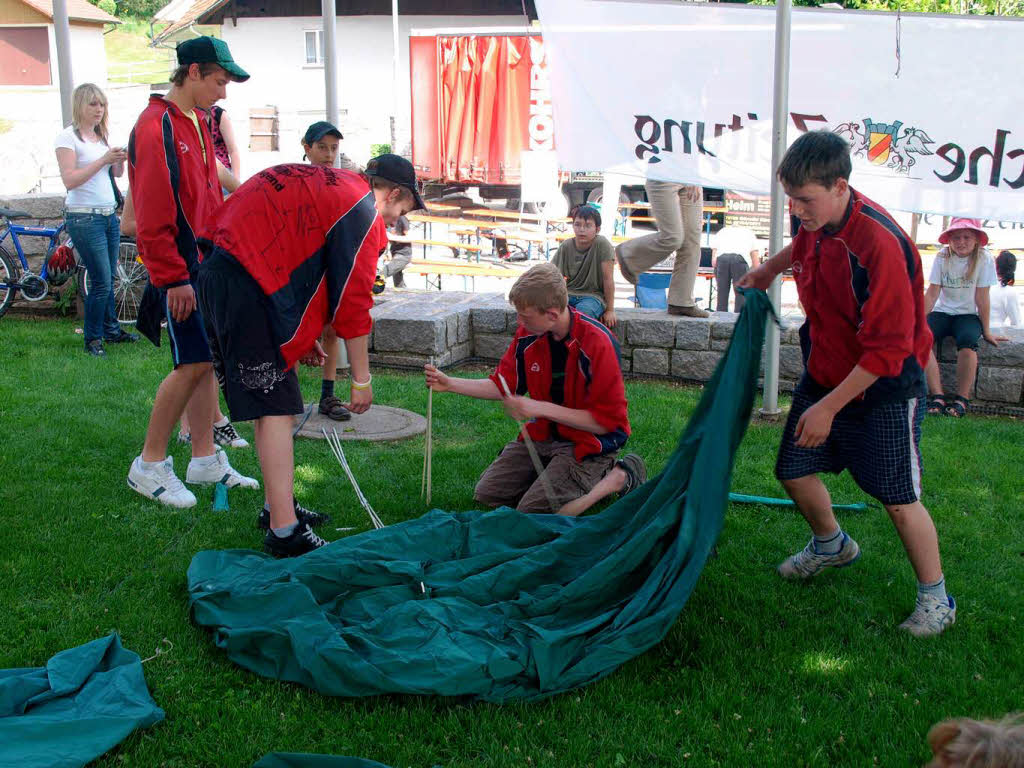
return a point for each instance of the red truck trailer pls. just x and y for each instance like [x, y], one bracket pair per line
[480, 97]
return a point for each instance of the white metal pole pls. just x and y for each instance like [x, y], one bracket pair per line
[62, 37]
[394, 77]
[780, 120]
[330, 53]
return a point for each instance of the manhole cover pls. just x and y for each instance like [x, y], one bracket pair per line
[381, 422]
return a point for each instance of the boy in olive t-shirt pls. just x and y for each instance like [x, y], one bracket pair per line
[587, 263]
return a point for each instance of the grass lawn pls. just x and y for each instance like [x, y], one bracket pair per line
[756, 672]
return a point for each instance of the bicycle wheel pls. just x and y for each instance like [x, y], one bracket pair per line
[129, 281]
[9, 276]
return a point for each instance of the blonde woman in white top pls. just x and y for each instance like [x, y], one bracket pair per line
[87, 163]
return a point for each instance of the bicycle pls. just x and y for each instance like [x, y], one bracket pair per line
[129, 281]
[15, 277]
[129, 278]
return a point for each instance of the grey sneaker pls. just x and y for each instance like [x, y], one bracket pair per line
[930, 617]
[808, 562]
[228, 436]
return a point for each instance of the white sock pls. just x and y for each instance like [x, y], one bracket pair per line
[150, 464]
[286, 531]
[205, 461]
[222, 423]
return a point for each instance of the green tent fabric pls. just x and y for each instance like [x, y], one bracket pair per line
[302, 760]
[83, 702]
[516, 606]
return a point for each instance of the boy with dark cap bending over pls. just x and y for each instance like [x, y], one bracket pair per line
[295, 248]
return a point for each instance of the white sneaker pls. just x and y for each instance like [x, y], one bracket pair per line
[160, 483]
[219, 471]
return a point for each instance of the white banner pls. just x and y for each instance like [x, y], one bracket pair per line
[930, 104]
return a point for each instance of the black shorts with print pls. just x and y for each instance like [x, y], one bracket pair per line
[246, 357]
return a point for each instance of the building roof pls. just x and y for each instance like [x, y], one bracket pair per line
[78, 10]
[184, 13]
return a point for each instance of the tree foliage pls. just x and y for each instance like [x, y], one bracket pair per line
[976, 7]
[130, 9]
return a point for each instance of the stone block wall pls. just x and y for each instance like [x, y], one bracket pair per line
[409, 328]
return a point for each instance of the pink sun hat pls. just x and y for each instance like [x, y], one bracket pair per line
[964, 223]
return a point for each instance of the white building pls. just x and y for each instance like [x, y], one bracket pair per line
[28, 46]
[280, 44]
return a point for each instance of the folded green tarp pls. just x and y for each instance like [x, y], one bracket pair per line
[515, 606]
[301, 760]
[83, 702]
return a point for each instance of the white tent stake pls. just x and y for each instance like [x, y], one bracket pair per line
[428, 447]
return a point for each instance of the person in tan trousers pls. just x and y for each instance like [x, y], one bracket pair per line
[678, 210]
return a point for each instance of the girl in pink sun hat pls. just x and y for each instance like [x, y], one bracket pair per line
[957, 303]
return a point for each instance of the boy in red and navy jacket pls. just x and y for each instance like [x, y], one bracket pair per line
[861, 401]
[294, 249]
[172, 170]
[575, 414]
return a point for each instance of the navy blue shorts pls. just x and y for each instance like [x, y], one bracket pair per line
[878, 443]
[189, 342]
[965, 329]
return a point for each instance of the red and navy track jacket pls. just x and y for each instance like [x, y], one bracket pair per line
[174, 190]
[310, 236]
[862, 289]
[593, 382]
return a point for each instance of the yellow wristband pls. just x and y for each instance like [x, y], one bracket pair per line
[362, 384]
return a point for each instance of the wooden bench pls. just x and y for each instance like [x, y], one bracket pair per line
[454, 245]
[470, 272]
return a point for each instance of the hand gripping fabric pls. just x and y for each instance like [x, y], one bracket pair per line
[83, 702]
[516, 606]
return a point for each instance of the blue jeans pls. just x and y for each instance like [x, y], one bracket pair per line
[588, 305]
[97, 239]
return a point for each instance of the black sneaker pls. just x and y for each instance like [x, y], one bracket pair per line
[334, 409]
[301, 541]
[311, 517]
[95, 348]
[122, 338]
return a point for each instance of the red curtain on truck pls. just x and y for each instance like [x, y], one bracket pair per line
[484, 106]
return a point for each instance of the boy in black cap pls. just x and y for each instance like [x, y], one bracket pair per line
[320, 145]
[172, 170]
[295, 248]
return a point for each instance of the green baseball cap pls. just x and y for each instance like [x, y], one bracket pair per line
[210, 50]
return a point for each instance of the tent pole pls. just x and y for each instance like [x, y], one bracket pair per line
[780, 120]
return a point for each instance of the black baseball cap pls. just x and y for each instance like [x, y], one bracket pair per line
[210, 50]
[397, 170]
[318, 130]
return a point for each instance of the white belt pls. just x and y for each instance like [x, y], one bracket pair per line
[104, 211]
